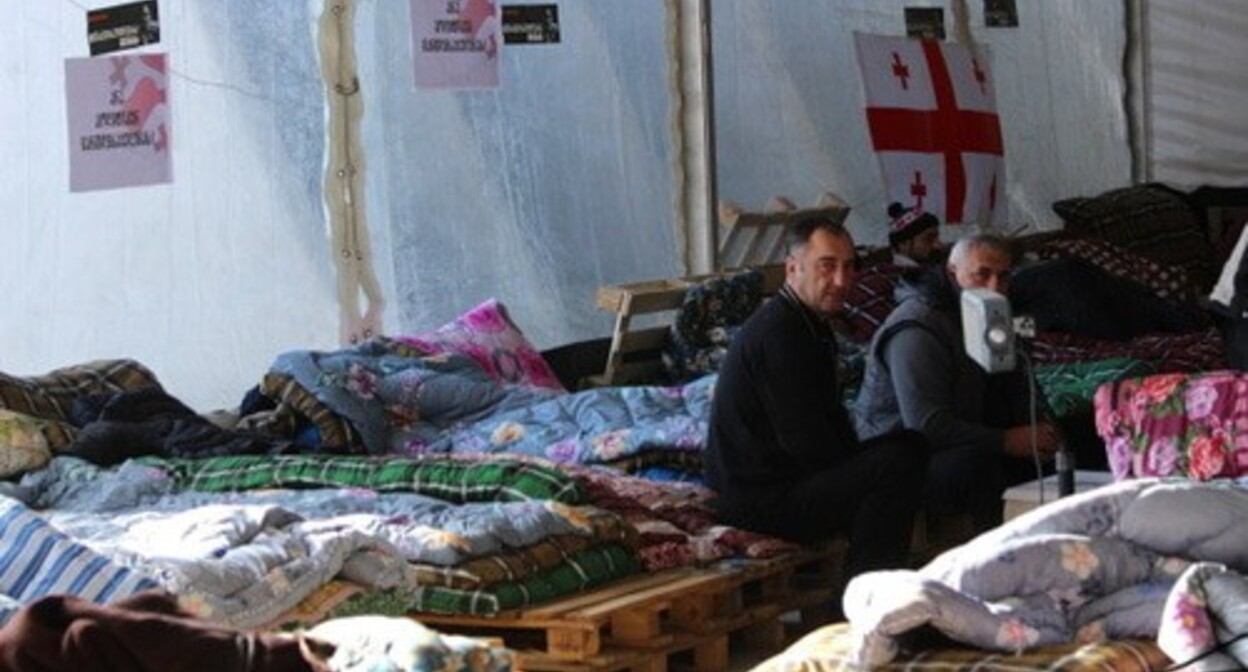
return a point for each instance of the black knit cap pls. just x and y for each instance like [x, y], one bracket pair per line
[907, 223]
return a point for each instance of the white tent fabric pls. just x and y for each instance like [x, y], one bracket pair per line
[789, 103]
[1197, 92]
[538, 192]
[204, 280]
[559, 181]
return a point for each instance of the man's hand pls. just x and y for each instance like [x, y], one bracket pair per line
[1018, 441]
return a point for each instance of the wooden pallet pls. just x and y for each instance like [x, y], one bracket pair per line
[699, 654]
[645, 622]
[757, 238]
[749, 240]
[636, 353]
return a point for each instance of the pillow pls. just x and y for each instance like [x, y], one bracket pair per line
[708, 318]
[23, 446]
[396, 644]
[1148, 219]
[487, 335]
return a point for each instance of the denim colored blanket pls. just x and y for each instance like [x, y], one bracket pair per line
[403, 404]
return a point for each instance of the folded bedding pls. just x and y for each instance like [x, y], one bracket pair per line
[1155, 558]
[38, 560]
[498, 478]
[1070, 387]
[1175, 424]
[68, 483]
[675, 522]
[579, 570]
[245, 557]
[248, 540]
[1076, 296]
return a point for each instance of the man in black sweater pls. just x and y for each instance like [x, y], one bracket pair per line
[782, 454]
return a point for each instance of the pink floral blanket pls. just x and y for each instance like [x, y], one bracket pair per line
[1191, 424]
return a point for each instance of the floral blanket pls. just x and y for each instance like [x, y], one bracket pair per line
[410, 405]
[1193, 425]
[1144, 558]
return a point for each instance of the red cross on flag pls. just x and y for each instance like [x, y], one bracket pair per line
[932, 111]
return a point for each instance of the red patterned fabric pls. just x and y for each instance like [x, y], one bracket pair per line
[1168, 353]
[676, 524]
[1168, 282]
[1192, 425]
[871, 300]
[1152, 220]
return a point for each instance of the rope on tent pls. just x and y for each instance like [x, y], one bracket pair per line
[344, 169]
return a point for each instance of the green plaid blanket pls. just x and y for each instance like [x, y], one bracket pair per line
[447, 478]
[582, 570]
[1069, 388]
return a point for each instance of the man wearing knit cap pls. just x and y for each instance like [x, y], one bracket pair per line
[914, 236]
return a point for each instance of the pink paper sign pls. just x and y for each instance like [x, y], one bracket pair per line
[118, 114]
[455, 43]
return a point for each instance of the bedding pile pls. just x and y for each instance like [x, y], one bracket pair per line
[441, 474]
[251, 541]
[241, 545]
[409, 403]
[1152, 558]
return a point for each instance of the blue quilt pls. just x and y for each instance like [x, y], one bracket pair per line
[445, 403]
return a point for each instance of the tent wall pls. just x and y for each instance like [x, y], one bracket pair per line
[206, 279]
[1197, 91]
[537, 192]
[564, 178]
[789, 102]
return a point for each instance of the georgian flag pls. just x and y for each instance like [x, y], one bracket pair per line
[931, 109]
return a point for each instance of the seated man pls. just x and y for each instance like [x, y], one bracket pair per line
[913, 236]
[782, 454]
[919, 377]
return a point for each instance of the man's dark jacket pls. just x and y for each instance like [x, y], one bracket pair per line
[777, 414]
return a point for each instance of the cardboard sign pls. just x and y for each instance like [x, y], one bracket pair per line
[118, 115]
[455, 43]
[123, 27]
[531, 24]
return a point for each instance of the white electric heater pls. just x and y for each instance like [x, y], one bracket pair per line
[988, 330]
[988, 336]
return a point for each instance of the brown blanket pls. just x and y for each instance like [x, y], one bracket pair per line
[145, 632]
